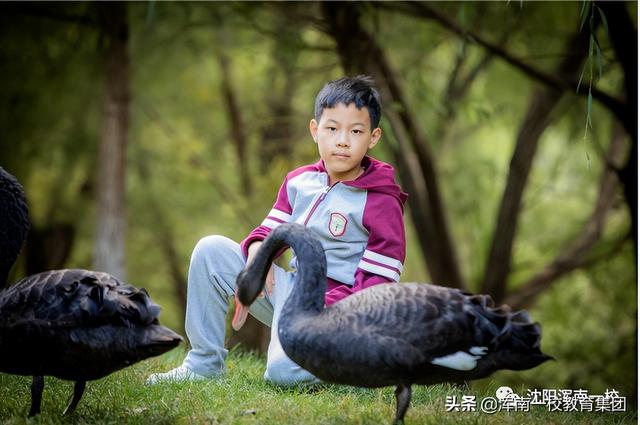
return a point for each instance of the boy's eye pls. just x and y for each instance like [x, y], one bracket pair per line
[357, 131]
[332, 129]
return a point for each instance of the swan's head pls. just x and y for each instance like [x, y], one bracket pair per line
[248, 287]
[312, 273]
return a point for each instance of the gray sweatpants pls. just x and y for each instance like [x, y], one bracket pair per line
[215, 263]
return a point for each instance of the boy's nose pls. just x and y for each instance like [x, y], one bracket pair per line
[342, 140]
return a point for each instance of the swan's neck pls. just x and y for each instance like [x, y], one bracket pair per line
[14, 222]
[311, 279]
[310, 285]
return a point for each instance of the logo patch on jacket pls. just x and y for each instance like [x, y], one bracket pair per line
[337, 224]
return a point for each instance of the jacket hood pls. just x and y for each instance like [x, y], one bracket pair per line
[378, 176]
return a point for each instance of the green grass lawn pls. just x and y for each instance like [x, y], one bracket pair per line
[242, 397]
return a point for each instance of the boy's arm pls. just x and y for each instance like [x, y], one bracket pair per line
[384, 255]
[251, 252]
[363, 280]
[280, 213]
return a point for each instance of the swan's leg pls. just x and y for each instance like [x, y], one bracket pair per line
[37, 385]
[403, 398]
[78, 390]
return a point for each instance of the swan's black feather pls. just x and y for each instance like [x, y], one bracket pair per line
[74, 297]
[14, 222]
[389, 334]
[74, 324]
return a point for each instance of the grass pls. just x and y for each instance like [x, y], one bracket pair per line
[242, 397]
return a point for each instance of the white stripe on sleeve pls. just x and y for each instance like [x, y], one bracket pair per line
[271, 224]
[383, 259]
[379, 270]
[279, 215]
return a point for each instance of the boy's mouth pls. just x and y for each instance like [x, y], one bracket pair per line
[341, 155]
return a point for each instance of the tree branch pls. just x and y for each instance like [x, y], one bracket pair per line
[55, 14]
[576, 255]
[360, 53]
[218, 185]
[234, 113]
[421, 9]
[538, 117]
[458, 86]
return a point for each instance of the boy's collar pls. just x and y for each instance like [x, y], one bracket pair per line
[365, 163]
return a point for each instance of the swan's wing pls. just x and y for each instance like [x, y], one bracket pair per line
[72, 297]
[405, 325]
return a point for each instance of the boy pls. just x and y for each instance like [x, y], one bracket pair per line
[350, 200]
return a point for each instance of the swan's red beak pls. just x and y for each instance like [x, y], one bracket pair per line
[240, 315]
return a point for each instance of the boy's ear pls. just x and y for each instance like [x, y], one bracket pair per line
[313, 128]
[375, 137]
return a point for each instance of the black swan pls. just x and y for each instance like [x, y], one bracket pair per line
[391, 334]
[77, 325]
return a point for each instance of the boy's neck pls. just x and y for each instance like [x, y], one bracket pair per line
[333, 180]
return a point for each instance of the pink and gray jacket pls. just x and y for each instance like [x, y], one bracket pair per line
[358, 222]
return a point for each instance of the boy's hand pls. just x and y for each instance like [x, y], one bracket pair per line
[270, 279]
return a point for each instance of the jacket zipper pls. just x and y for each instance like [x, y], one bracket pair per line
[320, 199]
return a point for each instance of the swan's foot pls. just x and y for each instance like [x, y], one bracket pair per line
[78, 390]
[37, 385]
[403, 398]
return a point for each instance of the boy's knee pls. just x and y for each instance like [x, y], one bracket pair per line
[209, 246]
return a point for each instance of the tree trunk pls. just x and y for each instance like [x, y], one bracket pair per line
[109, 248]
[234, 113]
[576, 254]
[277, 136]
[537, 119]
[360, 53]
[624, 38]
[253, 335]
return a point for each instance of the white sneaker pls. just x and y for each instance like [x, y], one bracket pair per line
[179, 374]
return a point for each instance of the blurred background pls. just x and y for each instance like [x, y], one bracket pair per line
[138, 128]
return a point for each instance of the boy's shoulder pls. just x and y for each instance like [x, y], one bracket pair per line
[379, 178]
[378, 166]
[375, 173]
[317, 167]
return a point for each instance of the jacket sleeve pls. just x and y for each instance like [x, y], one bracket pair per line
[280, 213]
[383, 258]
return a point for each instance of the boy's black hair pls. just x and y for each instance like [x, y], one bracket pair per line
[359, 90]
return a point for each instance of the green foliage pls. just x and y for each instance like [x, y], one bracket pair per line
[596, 56]
[590, 328]
[183, 172]
[243, 397]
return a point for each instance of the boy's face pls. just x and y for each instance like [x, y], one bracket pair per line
[344, 136]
